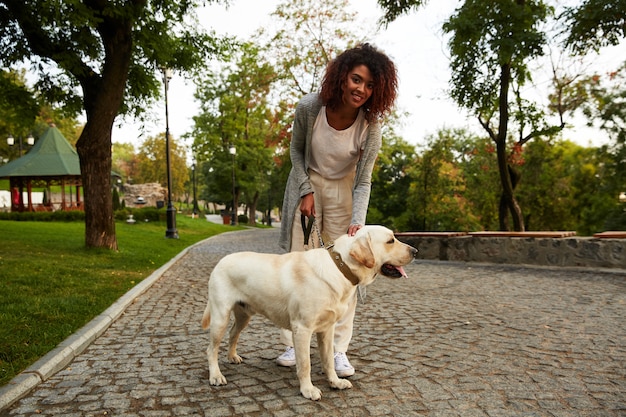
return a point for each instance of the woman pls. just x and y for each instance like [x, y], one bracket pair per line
[335, 141]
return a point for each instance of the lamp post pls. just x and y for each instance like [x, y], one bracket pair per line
[30, 140]
[171, 231]
[193, 180]
[232, 150]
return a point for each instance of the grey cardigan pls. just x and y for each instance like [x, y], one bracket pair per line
[298, 184]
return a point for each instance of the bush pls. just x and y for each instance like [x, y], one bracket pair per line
[242, 219]
[45, 216]
[121, 214]
[116, 200]
[150, 214]
[616, 220]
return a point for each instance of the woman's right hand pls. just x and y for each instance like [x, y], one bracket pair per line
[307, 205]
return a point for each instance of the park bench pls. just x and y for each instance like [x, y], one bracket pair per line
[611, 235]
[430, 234]
[535, 234]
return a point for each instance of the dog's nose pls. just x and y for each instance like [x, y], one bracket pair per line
[414, 252]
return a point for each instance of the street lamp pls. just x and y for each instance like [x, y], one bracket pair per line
[171, 231]
[30, 140]
[195, 201]
[233, 218]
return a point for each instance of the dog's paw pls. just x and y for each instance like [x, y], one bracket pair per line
[235, 359]
[341, 384]
[312, 393]
[217, 380]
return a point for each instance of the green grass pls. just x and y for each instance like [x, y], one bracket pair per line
[52, 285]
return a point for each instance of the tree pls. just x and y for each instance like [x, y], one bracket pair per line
[480, 172]
[235, 111]
[391, 183]
[18, 105]
[124, 161]
[394, 8]
[594, 24]
[23, 113]
[492, 44]
[101, 59]
[437, 197]
[150, 166]
[312, 32]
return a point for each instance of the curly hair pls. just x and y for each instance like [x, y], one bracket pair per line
[383, 71]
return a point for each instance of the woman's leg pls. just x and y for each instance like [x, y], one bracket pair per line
[336, 204]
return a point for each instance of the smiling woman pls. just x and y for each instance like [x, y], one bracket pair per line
[336, 139]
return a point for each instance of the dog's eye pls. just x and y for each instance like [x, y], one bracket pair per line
[391, 242]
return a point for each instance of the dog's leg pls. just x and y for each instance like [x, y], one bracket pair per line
[302, 345]
[325, 345]
[242, 318]
[219, 322]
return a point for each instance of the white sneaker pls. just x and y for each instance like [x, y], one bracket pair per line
[288, 358]
[342, 365]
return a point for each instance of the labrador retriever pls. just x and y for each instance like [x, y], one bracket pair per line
[306, 292]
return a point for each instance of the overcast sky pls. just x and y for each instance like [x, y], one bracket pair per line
[414, 42]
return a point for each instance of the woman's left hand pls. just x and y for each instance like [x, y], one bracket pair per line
[353, 229]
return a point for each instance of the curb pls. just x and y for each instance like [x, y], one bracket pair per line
[59, 357]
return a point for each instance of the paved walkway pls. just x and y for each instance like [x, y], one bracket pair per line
[452, 340]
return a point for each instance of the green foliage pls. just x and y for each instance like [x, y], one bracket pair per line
[44, 216]
[492, 44]
[235, 111]
[437, 196]
[481, 178]
[124, 160]
[595, 23]
[311, 33]
[452, 184]
[567, 187]
[616, 218]
[172, 25]
[548, 186]
[116, 199]
[18, 106]
[390, 183]
[103, 60]
[394, 8]
[486, 36]
[151, 167]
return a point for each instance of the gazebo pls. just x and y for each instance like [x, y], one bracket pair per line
[52, 161]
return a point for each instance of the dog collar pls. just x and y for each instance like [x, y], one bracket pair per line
[345, 270]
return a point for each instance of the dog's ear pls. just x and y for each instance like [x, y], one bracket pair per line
[361, 251]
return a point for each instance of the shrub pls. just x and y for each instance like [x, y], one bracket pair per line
[45, 216]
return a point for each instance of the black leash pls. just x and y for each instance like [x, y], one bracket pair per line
[306, 228]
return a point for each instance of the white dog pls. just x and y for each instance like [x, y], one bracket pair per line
[306, 292]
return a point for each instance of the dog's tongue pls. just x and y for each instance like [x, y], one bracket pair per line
[401, 271]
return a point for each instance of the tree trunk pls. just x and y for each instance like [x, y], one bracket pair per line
[94, 149]
[508, 203]
[103, 96]
[252, 209]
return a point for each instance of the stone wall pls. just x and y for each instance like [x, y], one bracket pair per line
[567, 251]
[151, 193]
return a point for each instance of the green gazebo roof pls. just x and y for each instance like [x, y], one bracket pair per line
[52, 156]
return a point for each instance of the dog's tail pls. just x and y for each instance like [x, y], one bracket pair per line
[206, 317]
